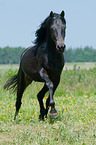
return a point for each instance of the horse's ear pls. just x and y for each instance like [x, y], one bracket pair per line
[62, 14]
[51, 14]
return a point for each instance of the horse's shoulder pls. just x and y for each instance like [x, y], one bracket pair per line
[30, 50]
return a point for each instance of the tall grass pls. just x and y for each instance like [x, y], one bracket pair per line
[75, 100]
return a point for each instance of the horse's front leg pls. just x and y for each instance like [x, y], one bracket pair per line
[49, 83]
[53, 113]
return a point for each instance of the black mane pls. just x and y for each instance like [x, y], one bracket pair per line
[41, 32]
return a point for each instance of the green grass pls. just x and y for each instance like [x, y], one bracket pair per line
[75, 100]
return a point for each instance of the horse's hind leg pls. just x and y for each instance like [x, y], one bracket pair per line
[40, 97]
[18, 100]
[23, 82]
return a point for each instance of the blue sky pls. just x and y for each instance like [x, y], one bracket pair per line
[19, 20]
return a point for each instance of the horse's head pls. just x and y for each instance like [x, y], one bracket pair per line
[57, 30]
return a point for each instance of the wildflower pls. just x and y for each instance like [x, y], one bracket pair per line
[69, 97]
[65, 110]
[71, 104]
[20, 113]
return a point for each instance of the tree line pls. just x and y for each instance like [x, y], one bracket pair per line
[12, 54]
[86, 54]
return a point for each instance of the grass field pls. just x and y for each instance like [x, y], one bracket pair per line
[84, 65]
[75, 101]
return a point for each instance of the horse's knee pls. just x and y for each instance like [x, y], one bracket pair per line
[50, 85]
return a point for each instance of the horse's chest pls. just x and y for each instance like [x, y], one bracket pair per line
[55, 65]
[54, 70]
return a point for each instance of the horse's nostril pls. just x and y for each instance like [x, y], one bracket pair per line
[59, 46]
[63, 46]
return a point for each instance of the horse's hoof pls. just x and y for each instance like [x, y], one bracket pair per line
[53, 115]
[41, 118]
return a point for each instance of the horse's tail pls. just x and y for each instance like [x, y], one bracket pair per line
[12, 83]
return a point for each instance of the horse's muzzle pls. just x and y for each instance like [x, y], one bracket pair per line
[60, 48]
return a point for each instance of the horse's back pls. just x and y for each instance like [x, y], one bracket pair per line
[31, 62]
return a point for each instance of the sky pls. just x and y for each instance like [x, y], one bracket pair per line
[19, 19]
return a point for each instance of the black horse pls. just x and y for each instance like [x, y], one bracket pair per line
[43, 63]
